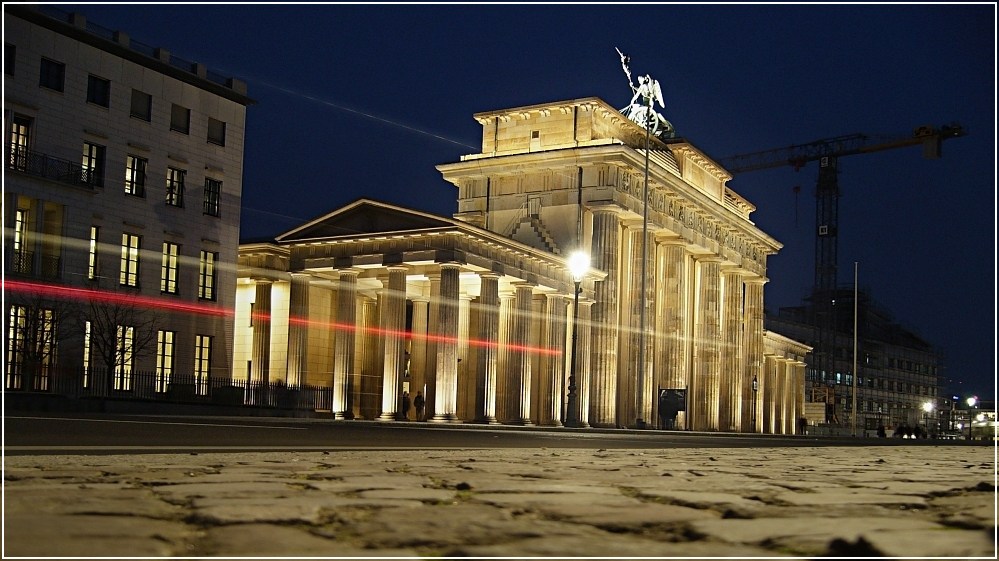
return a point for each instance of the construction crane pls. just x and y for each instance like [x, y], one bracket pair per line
[827, 152]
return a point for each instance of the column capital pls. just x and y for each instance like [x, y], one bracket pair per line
[489, 275]
[756, 280]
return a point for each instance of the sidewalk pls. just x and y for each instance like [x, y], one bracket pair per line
[800, 502]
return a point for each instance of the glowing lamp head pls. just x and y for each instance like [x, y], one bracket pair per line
[579, 264]
[927, 406]
[972, 401]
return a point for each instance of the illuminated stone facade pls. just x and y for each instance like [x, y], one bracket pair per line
[484, 325]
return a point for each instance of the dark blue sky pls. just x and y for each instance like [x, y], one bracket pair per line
[358, 101]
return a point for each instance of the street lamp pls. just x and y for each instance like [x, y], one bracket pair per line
[579, 264]
[927, 407]
[756, 388]
[972, 401]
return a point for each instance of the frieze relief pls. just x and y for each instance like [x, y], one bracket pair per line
[676, 209]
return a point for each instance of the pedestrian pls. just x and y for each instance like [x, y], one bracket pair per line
[419, 402]
[802, 425]
[881, 430]
[406, 406]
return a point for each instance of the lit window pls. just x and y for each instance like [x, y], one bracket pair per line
[86, 353]
[92, 167]
[20, 128]
[30, 340]
[21, 258]
[202, 363]
[168, 271]
[52, 75]
[206, 275]
[135, 176]
[98, 91]
[164, 359]
[175, 187]
[92, 253]
[213, 194]
[180, 119]
[124, 357]
[129, 260]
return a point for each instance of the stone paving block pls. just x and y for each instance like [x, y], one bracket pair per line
[264, 540]
[851, 496]
[608, 545]
[940, 543]
[311, 509]
[74, 536]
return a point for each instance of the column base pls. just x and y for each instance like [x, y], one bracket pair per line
[520, 423]
[388, 417]
[485, 421]
[444, 418]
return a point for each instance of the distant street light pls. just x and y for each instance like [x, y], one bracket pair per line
[972, 401]
[927, 407]
[579, 264]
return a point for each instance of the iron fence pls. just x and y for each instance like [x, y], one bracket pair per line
[185, 388]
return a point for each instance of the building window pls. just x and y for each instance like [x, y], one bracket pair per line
[206, 275]
[129, 260]
[86, 353]
[92, 252]
[202, 363]
[135, 176]
[123, 358]
[168, 272]
[98, 91]
[142, 106]
[164, 359]
[180, 119]
[92, 166]
[30, 345]
[213, 194]
[216, 131]
[20, 129]
[9, 56]
[175, 187]
[52, 75]
[21, 258]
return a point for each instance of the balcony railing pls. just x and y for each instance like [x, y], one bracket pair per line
[23, 263]
[50, 167]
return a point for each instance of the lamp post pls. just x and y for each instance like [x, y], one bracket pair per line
[971, 406]
[579, 263]
[756, 388]
[927, 407]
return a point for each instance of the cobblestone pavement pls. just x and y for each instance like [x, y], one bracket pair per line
[798, 502]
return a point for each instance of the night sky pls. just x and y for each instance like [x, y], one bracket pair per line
[364, 101]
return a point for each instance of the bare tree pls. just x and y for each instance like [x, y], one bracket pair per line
[120, 332]
[33, 324]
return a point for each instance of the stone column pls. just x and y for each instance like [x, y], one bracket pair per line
[466, 368]
[298, 330]
[368, 351]
[488, 350]
[343, 346]
[418, 348]
[732, 370]
[767, 389]
[707, 345]
[583, 356]
[393, 327]
[446, 388]
[261, 361]
[519, 359]
[799, 394]
[635, 402]
[433, 338]
[551, 378]
[504, 377]
[752, 348]
[671, 316]
[605, 253]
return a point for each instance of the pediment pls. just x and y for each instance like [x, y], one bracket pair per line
[365, 217]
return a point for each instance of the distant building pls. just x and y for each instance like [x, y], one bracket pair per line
[898, 371]
[476, 312]
[122, 188]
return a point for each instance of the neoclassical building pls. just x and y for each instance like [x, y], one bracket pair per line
[476, 311]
